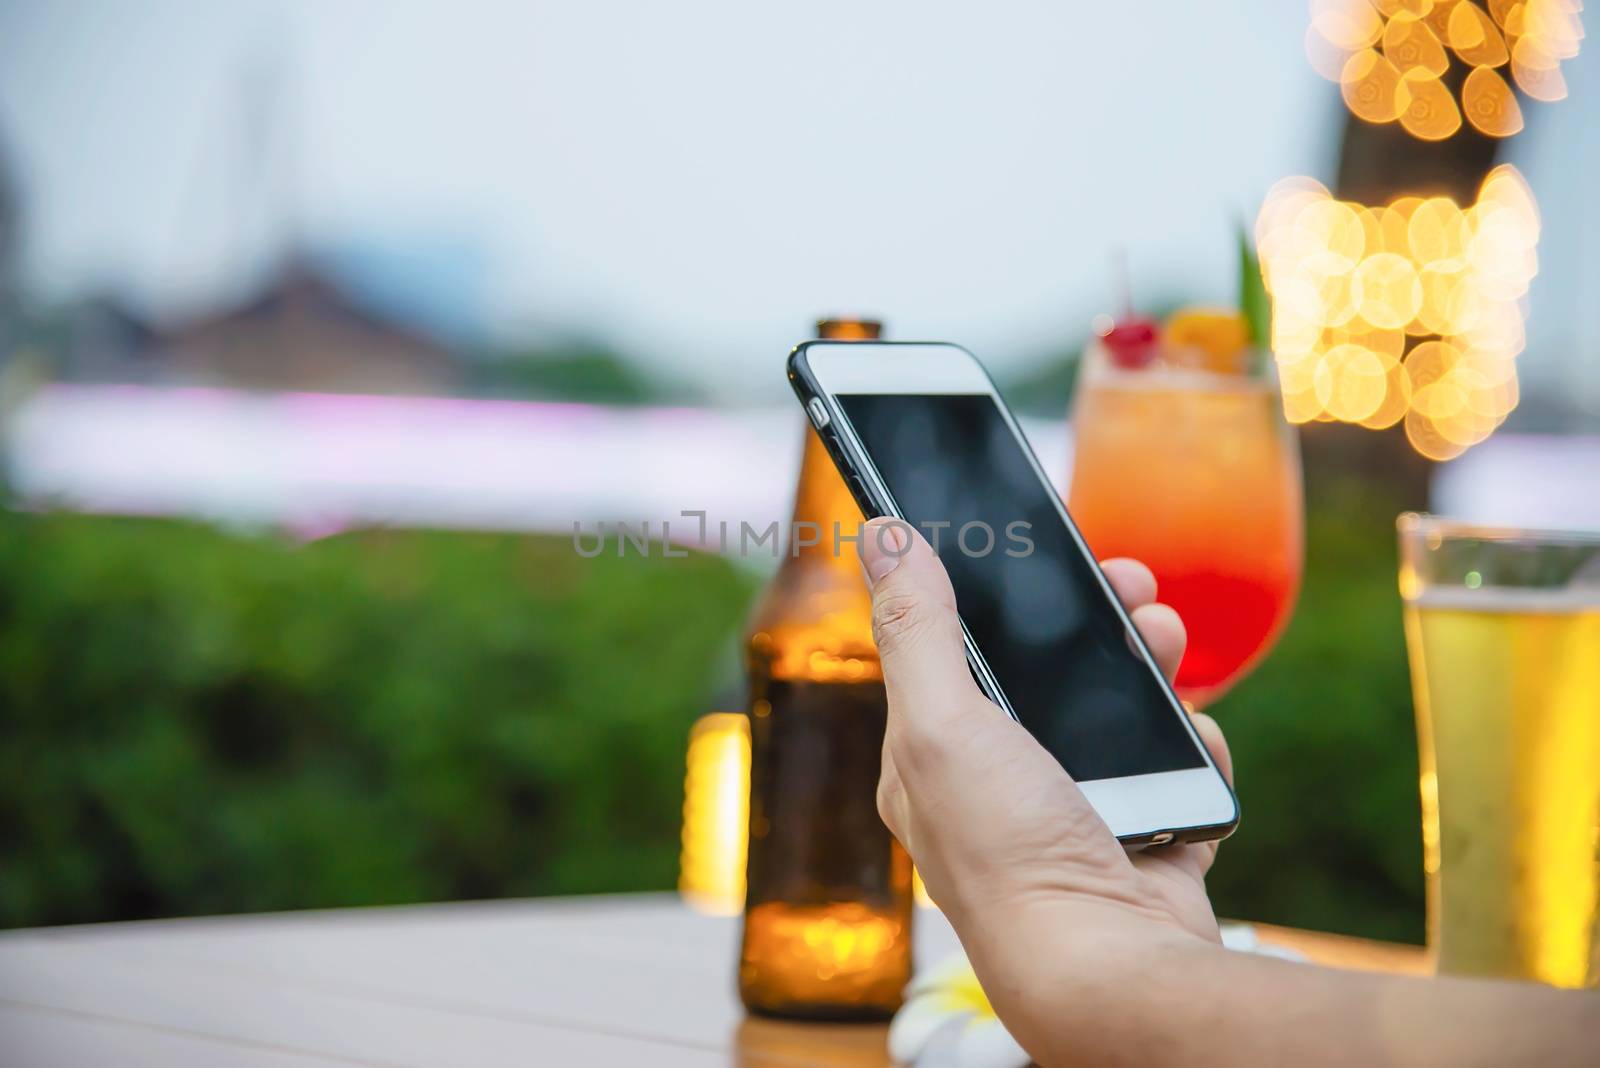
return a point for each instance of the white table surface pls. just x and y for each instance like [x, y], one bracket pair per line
[631, 980]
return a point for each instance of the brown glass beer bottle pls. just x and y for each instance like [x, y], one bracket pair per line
[827, 921]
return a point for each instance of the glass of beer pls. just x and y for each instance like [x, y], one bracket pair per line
[1503, 628]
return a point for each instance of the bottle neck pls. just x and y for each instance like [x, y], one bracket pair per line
[822, 499]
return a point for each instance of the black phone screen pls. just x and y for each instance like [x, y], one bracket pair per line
[1028, 594]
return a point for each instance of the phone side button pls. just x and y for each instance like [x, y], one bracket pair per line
[1161, 839]
[819, 412]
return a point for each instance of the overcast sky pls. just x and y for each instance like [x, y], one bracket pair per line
[697, 180]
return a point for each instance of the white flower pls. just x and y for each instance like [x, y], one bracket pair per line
[947, 1022]
[1242, 938]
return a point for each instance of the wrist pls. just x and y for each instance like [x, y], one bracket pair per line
[1089, 981]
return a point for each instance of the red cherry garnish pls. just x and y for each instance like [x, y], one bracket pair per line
[1131, 343]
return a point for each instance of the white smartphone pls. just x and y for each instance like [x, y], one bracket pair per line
[918, 431]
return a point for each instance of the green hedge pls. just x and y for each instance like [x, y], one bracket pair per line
[197, 722]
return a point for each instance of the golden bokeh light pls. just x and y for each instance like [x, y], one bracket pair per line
[1329, 228]
[1325, 57]
[1390, 344]
[1346, 26]
[1350, 382]
[1426, 439]
[1392, 59]
[1387, 289]
[1544, 83]
[1489, 103]
[1430, 367]
[1432, 114]
[1438, 19]
[1541, 34]
[1351, 283]
[1438, 233]
[1474, 37]
[1372, 87]
[1404, 8]
[1412, 46]
[1395, 224]
[1396, 399]
[1448, 300]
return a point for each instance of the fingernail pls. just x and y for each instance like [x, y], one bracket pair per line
[882, 546]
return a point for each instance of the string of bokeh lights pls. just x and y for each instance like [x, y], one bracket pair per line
[1351, 286]
[1390, 57]
[1413, 311]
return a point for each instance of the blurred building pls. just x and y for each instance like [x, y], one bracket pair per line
[305, 331]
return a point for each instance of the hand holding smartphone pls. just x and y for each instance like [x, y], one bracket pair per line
[919, 432]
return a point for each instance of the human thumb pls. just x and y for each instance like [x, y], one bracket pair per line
[914, 620]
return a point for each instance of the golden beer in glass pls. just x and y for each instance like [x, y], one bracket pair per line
[1503, 628]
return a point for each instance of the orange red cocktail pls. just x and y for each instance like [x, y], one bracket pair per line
[1183, 460]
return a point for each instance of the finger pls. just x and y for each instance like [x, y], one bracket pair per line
[1133, 582]
[1211, 734]
[1163, 632]
[914, 621]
